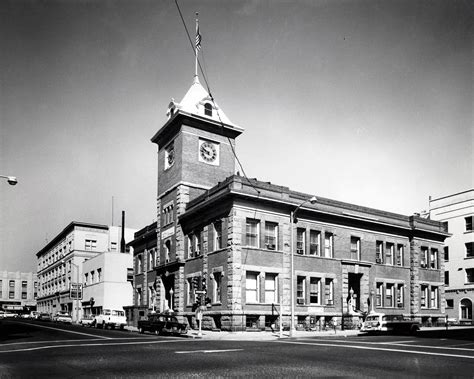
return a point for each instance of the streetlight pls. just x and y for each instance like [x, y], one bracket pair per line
[12, 180]
[294, 220]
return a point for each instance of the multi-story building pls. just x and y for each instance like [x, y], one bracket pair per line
[105, 282]
[235, 239]
[18, 291]
[457, 212]
[60, 263]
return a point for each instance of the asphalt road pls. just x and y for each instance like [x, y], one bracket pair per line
[34, 349]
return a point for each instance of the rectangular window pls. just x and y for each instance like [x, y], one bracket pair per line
[271, 293]
[389, 295]
[150, 260]
[434, 297]
[139, 264]
[469, 220]
[389, 253]
[399, 256]
[379, 294]
[328, 245]
[252, 232]
[400, 295]
[189, 249]
[217, 285]
[446, 278]
[315, 243]
[251, 287]
[90, 244]
[434, 259]
[470, 250]
[424, 257]
[449, 303]
[300, 241]
[315, 291]
[424, 296]
[196, 243]
[300, 290]
[190, 291]
[271, 236]
[470, 275]
[329, 291]
[446, 253]
[355, 248]
[218, 235]
[378, 251]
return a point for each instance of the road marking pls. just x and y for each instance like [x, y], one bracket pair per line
[206, 351]
[395, 342]
[400, 344]
[70, 331]
[88, 345]
[382, 349]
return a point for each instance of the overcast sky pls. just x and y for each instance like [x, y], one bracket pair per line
[367, 102]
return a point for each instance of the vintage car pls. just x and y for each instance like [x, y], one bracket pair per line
[160, 323]
[63, 317]
[87, 320]
[111, 318]
[44, 317]
[383, 323]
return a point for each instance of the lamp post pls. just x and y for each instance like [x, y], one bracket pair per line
[293, 220]
[12, 180]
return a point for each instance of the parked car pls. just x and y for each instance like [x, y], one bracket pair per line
[63, 317]
[34, 315]
[110, 318]
[160, 323]
[44, 317]
[88, 320]
[8, 314]
[380, 322]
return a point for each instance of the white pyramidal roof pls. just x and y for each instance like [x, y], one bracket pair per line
[195, 101]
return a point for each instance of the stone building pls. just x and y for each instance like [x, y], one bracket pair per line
[457, 212]
[233, 239]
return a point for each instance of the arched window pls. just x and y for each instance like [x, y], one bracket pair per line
[208, 109]
[466, 309]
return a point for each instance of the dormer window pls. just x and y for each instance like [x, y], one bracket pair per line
[208, 109]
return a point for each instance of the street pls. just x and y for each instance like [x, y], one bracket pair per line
[42, 349]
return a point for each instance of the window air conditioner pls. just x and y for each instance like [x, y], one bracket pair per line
[378, 260]
[300, 301]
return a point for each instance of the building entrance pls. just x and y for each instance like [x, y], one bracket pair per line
[354, 285]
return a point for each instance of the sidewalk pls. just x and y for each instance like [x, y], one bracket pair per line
[266, 336]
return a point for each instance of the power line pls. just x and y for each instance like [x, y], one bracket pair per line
[212, 98]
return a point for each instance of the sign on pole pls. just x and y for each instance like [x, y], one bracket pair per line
[75, 291]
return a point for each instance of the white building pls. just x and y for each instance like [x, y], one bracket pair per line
[457, 211]
[60, 263]
[105, 282]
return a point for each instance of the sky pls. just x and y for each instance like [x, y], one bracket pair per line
[368, 102]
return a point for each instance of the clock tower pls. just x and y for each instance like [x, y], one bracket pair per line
[195, 152]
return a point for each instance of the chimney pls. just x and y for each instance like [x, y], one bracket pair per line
[122, 241]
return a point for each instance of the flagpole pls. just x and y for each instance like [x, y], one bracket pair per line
[196, 48]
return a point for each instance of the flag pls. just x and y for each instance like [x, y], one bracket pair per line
[198, 39]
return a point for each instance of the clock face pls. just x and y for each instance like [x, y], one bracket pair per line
[170, 157]
[208, 151]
